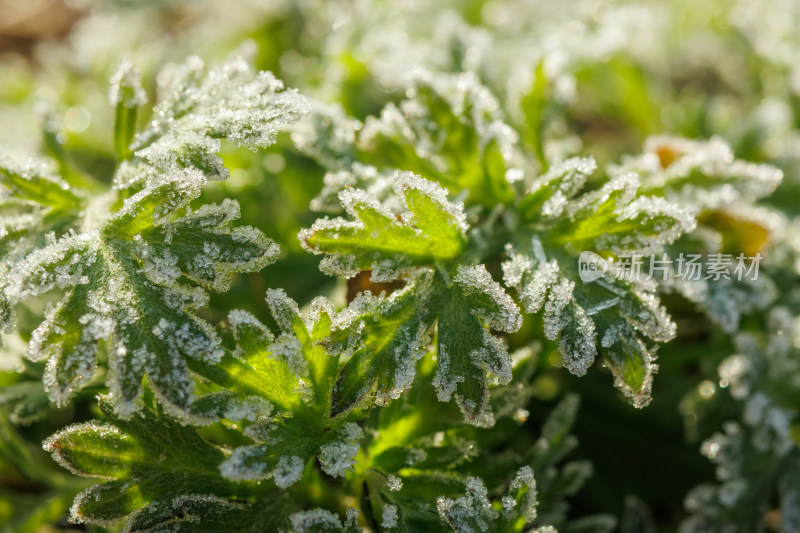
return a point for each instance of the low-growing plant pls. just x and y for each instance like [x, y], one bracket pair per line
[468, 263]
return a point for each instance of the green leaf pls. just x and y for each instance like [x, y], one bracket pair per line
[449, 131]
[199, 105]
[293, 373]
[122, 288]
[616, 313]
[431, 231]
[383, 339]
[211, 514]
[126, 95]
[699, 174]
[142, 461]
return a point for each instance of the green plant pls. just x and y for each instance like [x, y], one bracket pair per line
[167, 363]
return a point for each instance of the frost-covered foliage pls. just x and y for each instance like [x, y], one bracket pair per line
[476, 216]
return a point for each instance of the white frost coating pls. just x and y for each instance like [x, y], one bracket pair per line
[476, 280]
[53, 445]
[250, 408]
[229, 100]
[404, 180]
[283, 308]
[242, 465]
[564, 180]
[389, 516]
[287, 348]
[394, 483]
[58, 265]
[315, 520]
[126, 79]
[444, 381]
[365, 177]
[674, 221]
[623, 187]
[672, 164]
[414, 456]
[386, 264]
[174, 188]
[338, 457]
[468, 512]
[288, 471]
[534, 291]
[527, 506]
[557, 301]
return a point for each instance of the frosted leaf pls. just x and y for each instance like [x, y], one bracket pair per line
[615, 219]
[702, 174]
[127, 458]
[394, 483]
[338, 457]
[230, 100]
[34, 202]
[521, 497]
[450, 131]
[240, 466]
[365, 177]
[126, 86]
[197, 106]
[550, 193]
[612, 316]
[496, 307]
[389, 516]
[470, 513]
[315, 520]
[136, 260]
[431, 230]
[289, 471]
[187, 149]
[608, 315]
[283, 308]
[384, 337]
[405, 182]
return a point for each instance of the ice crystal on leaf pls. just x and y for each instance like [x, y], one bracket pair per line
[34, 202]
[384, 337]
[701, 174]
[198, 105]
[756, 455]
[133, 265]
[121, 283]
[138, 473]
[449, 130]
[298, 383]
[706, 178]
[431, 230]
[614, 315]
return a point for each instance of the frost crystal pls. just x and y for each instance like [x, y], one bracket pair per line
[476, 280]
[315, 520]
[338, 457]
[430, 229]
[288, 472]
[230, 100]
[702, 174]
[389, 516]
[394, 483]
[470, 513]
[126, 86]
